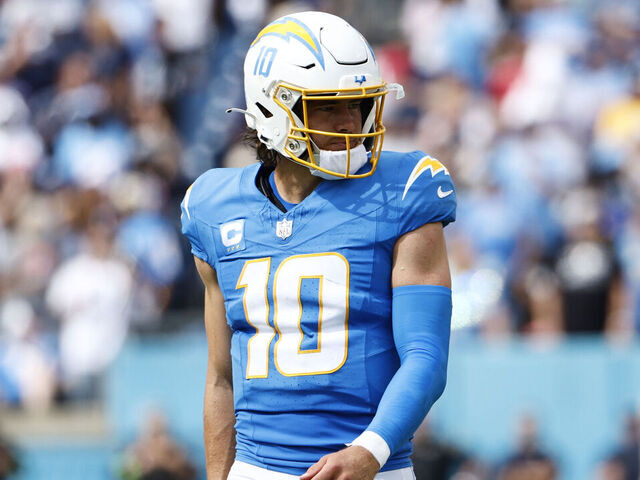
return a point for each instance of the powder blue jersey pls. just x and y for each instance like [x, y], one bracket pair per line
[308, 297]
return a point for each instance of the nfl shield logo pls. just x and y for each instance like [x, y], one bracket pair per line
[283, 228]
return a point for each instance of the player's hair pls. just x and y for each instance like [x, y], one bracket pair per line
[264, 154]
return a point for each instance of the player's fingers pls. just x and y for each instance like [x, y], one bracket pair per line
[313, 469]
[325, 473]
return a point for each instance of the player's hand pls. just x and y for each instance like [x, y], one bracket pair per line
[352, 463]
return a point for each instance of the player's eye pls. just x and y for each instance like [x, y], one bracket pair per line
[324, 107]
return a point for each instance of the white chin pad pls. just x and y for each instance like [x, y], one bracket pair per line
[336, 161]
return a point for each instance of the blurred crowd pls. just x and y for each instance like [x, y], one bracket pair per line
[110, 108]
[529, 459]
[156, 453]
[103, 109]
[534, 105]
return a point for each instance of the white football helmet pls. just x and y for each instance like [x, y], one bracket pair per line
[306, 57]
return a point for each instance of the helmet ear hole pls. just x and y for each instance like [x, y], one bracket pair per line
[297, 110]
[264, 110]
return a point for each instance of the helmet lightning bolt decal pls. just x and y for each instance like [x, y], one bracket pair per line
[290, 27]
[185, 205]
[424, 164]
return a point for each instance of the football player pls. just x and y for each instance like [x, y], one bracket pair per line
[327, 300]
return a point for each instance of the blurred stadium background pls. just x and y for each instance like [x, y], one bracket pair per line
[110, 108]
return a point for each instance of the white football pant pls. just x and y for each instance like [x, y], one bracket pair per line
[245, 471]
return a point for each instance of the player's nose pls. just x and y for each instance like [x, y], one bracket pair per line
[346, 119]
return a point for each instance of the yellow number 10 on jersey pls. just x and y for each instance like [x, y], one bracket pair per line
[331, 270]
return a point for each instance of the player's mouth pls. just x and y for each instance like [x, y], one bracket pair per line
[342, 145]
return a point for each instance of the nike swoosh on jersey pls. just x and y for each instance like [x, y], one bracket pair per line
[424, 164]
[443, 194]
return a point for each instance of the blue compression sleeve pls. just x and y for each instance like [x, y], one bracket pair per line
[421, 331]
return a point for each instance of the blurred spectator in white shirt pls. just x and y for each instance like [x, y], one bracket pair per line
[90, 294]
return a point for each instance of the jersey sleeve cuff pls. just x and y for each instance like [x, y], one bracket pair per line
[375, 444]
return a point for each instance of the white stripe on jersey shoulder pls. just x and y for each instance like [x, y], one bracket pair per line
[186, 201]
[424, 164]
